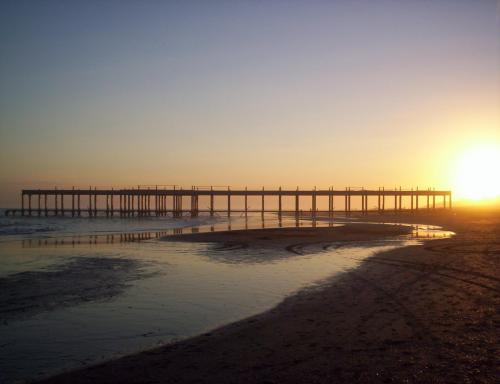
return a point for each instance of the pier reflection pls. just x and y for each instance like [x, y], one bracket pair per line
[418, 232]
[233, 224]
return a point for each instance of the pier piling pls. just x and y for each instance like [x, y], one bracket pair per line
[146, 201]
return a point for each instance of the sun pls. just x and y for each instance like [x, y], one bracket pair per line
[477, 173]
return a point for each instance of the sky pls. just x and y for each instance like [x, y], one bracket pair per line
[257, 93]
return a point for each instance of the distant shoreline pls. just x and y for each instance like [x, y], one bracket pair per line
[280, 236]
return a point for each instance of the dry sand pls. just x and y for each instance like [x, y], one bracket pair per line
[420, 314]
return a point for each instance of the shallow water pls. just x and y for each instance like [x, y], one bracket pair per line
[79, 295]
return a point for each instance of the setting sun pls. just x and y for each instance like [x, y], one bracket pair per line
[476, 176]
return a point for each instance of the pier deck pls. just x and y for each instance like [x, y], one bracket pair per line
[155, 201]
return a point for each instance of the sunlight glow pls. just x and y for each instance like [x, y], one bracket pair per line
[477, 173]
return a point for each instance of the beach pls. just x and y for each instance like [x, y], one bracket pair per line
[78, 292]
[422, 313]
[249, 192]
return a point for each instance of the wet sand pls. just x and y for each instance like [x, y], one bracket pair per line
[83, 279]
[415, 314]
[288, 237]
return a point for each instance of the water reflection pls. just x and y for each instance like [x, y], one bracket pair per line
[419, 231]
[152, 292]
[232, 224]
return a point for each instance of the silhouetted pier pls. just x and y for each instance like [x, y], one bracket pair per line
[177, 202]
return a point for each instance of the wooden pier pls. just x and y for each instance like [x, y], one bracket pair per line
[163, 201]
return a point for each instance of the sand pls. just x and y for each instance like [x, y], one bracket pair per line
[419, 314]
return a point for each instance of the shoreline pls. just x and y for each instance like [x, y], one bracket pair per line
[399, 316]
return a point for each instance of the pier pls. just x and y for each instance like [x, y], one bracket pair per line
[178, 202]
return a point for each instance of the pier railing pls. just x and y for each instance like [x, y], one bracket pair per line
[177, 201]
